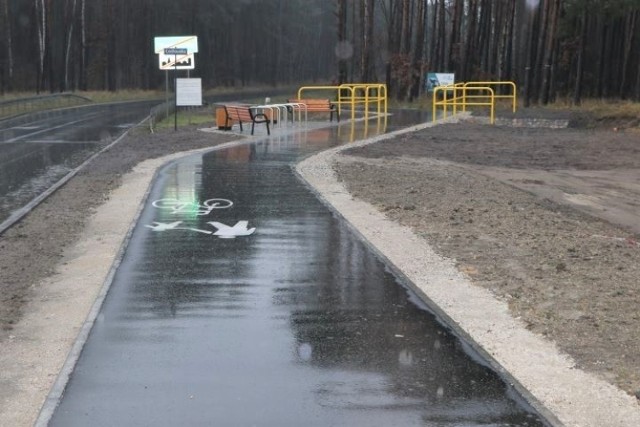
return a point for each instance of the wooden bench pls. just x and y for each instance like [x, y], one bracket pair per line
[244, 113]
[317, 106]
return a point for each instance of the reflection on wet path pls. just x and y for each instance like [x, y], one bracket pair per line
[295, 324]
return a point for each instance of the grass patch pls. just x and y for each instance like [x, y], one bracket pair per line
[200, 116]
[122, 95]
[605, 109]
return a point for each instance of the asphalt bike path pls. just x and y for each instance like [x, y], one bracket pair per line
[243, 300]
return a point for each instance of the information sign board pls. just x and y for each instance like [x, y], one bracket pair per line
[439, 79]
[188, 92]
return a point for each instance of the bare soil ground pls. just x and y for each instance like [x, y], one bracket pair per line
[547, 219]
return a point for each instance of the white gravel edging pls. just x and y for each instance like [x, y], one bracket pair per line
[573, 396]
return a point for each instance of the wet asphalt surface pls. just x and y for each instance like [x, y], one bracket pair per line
[295, 322]
[37, 150]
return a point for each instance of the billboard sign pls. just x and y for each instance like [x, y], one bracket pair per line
[439, 79]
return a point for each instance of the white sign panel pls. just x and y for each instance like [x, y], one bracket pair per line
[177, 62]
[176, 44]
[188, 92]
[185, 42]
[439, 79]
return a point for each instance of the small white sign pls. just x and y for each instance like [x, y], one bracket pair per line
[177, 62]
[188, 92]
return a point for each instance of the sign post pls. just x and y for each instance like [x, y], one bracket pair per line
[175, 51]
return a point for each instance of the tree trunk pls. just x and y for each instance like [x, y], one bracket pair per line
[434, 37]
[41, 28]
[528, 76]
[630, 31]
[456, 37]
[342, 38]
[442, 36]
[7, 64]
[577, 91]
[542, 27]
[418, 53]
[602, 55]
[469, 44]
[405, 33]
[504, 60]
[67, 56]
[548, 54]
[484, 33]
[367, 24]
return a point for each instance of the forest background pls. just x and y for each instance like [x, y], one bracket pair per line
[550, 48]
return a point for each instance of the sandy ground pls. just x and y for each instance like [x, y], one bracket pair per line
[543, 221]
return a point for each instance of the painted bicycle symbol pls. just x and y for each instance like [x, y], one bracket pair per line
[177, 207]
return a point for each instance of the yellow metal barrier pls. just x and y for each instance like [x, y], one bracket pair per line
[371, 92]
[482, 93]
[482, 96]
[513, 95]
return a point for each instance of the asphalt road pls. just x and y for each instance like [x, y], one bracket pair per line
[242, 300]
[37, 150]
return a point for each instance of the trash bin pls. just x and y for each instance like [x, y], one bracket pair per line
[222, 121]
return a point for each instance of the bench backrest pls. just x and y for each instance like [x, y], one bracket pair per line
[241, 113]
[314, 104]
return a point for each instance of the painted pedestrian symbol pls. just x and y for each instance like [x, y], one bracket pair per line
[176, 207]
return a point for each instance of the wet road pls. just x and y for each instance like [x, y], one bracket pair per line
[294, 323]
[39, 149]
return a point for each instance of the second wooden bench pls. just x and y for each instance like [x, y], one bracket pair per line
[317, 106]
